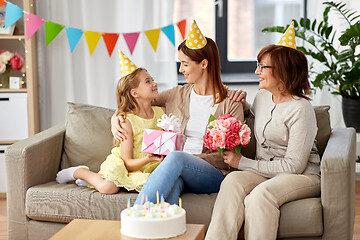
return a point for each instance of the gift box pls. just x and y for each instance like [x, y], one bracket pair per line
[162, 142]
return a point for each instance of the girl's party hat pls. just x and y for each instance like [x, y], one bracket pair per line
[126, 65]
[195, 39]
[288, 39]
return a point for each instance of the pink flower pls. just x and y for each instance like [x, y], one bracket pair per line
[218, 138]
[16, 61]
[235, 125]
[2, 68]
[208, 141]
[245, 134]
[232, 139]
[225, 116]
[223, 124]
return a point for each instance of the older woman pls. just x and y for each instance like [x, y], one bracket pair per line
[286, 166]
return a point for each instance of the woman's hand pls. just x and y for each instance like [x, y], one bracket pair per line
[231, 158]
[153, 158]
[117, 131]
[237, 95]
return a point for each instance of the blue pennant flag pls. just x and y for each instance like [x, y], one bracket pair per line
[13, 13]
[74, 36]
[170, 33]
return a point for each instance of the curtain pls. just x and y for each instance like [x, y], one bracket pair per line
[324, 97]
[79, 77]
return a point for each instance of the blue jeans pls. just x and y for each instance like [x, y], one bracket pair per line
[180, 170]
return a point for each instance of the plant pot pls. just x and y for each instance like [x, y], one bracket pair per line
[351, 113]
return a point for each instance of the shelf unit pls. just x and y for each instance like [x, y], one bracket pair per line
[18, 42]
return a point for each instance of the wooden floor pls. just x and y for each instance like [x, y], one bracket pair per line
[3, 221]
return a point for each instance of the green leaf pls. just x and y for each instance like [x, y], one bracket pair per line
[211, 118]
[278, 29]
[220, 150]
[351, 34]
[238, 149]
[320, 26]
[328, 31]
[311, 40]
[308, 23]
[313, 25]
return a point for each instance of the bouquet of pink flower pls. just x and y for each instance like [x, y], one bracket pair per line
[226, 132]
[9, 59]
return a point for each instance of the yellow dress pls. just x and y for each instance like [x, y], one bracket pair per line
[113, 168]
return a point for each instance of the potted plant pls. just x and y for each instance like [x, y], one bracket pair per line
[339, 66]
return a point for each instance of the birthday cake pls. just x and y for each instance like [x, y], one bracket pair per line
[153, 221]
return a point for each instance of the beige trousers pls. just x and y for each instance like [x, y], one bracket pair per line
[248, 196]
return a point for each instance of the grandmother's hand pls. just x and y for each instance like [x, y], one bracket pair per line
[231, 158]
[117, 131]
[237, 95]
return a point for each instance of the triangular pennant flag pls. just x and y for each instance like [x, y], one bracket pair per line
[2, 2]
[12, 14]
[170, 33]
[92, 39]
[51, 31]
[110, 40]
[33, 23]
[153, 36]
[131, 39]
[74, 36]
[182, 27]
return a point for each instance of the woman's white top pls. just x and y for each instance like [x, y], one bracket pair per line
[200, 109]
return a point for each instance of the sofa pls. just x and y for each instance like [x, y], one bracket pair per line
[38, 207]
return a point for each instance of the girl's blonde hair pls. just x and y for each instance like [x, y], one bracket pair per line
[125, 101]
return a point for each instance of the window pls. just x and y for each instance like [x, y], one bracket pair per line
[236, 26]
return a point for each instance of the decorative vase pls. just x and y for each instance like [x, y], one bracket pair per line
[351, 112]
[4, 79]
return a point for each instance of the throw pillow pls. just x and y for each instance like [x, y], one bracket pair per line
[324, 128]
[88, 137]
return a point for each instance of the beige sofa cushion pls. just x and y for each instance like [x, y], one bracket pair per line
[88, 138]
[63, 202]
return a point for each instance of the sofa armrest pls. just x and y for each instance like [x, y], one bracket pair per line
[30, 162]
[338, 184]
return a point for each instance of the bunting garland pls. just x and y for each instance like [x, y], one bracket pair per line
[52, 30]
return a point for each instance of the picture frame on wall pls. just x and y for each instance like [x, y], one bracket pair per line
[9, 30]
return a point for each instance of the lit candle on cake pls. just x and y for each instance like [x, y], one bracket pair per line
[157, 198]
[128, 206]
[142, 199]
[180, 203]
[146, 200]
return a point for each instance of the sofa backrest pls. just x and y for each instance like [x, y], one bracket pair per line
[88, 138]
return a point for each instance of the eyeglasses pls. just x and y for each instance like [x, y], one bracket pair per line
[258, 65]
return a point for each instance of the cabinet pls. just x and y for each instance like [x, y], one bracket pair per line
[17, 42]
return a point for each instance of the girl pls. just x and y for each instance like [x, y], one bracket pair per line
[126, 166]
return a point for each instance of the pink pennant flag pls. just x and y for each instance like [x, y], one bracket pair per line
[131, 39]
[33, 23]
